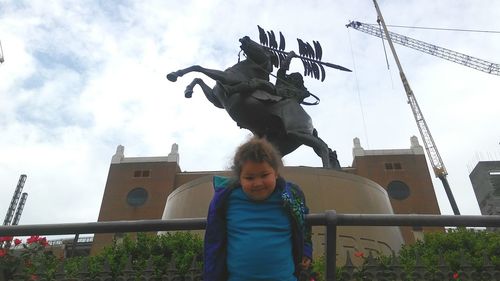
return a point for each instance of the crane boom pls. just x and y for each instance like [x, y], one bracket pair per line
[430, 146]
[469, 61]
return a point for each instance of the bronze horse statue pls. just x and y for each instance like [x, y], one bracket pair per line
[247, 95]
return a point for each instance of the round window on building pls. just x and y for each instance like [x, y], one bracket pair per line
[137, 197]
[398, 190]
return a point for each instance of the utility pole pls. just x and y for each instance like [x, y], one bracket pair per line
[425, 133]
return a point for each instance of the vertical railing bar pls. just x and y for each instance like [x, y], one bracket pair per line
[75, 241]
[331, 245]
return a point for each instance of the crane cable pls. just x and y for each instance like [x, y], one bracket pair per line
[357, 90]
[385, 53]
[383, 44]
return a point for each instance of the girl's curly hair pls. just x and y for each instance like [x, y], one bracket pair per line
[257, 150]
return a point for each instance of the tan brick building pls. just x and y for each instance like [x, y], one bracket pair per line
[405, 176]
[138, 187]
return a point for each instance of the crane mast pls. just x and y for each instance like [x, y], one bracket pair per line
[20, 208]
[430, 146]
[466, 60]
[15, 199]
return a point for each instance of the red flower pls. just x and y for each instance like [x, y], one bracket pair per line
[6, 238]
[3, 252]
[17, 241]
[455, 275]
[33, 239]
[359, 254]
[33, 277]
[43, 241]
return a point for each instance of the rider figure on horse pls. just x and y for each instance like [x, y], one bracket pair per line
[290, 85]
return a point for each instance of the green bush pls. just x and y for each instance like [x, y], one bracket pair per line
[179, 249]
[452, 247]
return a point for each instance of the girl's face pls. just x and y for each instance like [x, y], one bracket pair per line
[258, 180]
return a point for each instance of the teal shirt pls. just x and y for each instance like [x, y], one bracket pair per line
[259, 245]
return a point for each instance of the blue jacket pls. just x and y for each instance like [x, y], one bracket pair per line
[216, 235]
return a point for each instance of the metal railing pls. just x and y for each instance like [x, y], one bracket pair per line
[330, 219]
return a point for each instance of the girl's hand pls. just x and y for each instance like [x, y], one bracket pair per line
[306, 262]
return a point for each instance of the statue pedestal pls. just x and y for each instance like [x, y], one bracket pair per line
[325, 189]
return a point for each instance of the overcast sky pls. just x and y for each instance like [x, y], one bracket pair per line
[81, 78]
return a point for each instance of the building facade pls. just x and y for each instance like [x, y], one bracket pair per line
[137, 188]
[405, 176]
[485, 179]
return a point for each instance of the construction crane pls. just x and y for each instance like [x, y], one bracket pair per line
[469, 61]
[425, 133]
[20, 208]
[15, 200]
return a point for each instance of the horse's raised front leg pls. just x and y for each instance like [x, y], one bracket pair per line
[188, 93]
[223, 77]
[172, 76]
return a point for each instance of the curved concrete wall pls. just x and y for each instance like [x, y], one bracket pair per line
[325, 189]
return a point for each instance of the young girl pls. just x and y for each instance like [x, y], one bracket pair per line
[255, 224]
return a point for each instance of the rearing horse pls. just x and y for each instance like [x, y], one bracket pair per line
[247, 95]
